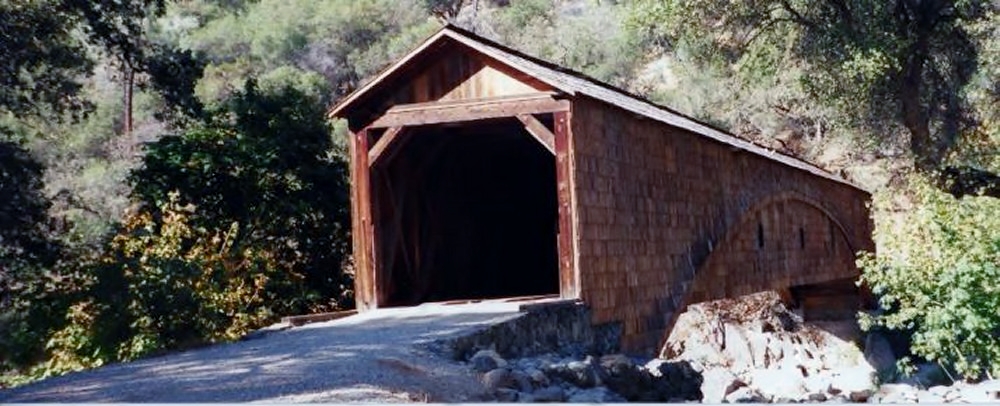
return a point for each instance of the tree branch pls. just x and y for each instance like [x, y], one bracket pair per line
[796, 16]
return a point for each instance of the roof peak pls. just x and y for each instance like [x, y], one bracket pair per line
[577, 83]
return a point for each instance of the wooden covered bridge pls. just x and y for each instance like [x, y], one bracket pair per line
[481, 172]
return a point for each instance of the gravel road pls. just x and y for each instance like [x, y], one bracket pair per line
[370, 357]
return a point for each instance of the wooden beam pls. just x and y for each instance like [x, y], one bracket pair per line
[362, 231]
[538, 130]
[383, 143]
[468, 110]
[569, 278]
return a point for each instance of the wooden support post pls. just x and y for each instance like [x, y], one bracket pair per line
[538, 130]
[383, 144]
[361, 205]
[568, 278]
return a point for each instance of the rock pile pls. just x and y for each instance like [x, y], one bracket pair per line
[606, 379]
[982, 392]
[753, 349]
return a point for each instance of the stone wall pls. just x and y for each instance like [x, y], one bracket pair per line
[562, 327]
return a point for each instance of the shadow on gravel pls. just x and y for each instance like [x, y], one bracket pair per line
[360, 351]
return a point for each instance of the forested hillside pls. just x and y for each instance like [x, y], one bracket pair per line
[168, 177]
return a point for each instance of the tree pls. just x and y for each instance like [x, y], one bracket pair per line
[936, 274]
[40, 64]
[263, 162]
[909, 63]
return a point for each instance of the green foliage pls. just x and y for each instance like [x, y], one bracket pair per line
[910, 65]
[343, 41]
[589, 38]
[262, 162]
[240, 218]
[41, 63]
[936, 273]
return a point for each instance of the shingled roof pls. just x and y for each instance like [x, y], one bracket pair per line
[575, 83]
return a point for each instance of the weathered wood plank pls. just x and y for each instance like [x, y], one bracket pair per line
[465, 110]
[567, 268]
[383, 143]
[538, 130]
[364, 287]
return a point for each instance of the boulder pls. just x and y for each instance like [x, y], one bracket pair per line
[759, 343]
[506, 395]
[816, 397]
[737, 348]
[550, 394]
[617, 364]
[927, 397]
[595, 395]
[895, 393]
[779, 383]
[624, 377]
[818, 382]
[537, 377]
[522, 381]
[982, 392]
[745, 395]
[500, 378]
[676, 380]
[600, 374]
[859, 396]
[856, 383]
[717, 383]
[484, 361]
[580, 373]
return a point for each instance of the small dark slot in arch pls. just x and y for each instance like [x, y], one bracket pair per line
[802, 237]
[760, 235]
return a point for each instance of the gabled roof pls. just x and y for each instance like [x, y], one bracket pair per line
[575, 84]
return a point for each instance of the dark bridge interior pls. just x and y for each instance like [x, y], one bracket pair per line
[466, 212]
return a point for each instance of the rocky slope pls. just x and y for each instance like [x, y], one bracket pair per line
[751, 349]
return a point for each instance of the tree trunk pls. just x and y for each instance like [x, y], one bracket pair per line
[129, 87]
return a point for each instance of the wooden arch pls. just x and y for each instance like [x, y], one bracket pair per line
[685, 289]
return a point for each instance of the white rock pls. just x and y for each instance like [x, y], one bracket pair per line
[717, 383]
[895, 393]
[737, 348]
[778, 383]
[746, 394]
[818, 382]
[983, 392]
[927, 397]
[758, 343]
[857, 382]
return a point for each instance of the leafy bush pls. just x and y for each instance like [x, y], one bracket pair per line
[237, 220]
[936, 272]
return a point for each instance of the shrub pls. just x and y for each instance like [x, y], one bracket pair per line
[936, 273]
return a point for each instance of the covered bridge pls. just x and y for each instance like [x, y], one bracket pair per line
[481, 172]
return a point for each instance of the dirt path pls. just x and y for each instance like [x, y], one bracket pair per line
[366, 358]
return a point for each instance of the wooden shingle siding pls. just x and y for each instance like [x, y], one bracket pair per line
[660, 208]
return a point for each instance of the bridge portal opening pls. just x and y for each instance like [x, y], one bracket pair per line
[465, 212]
